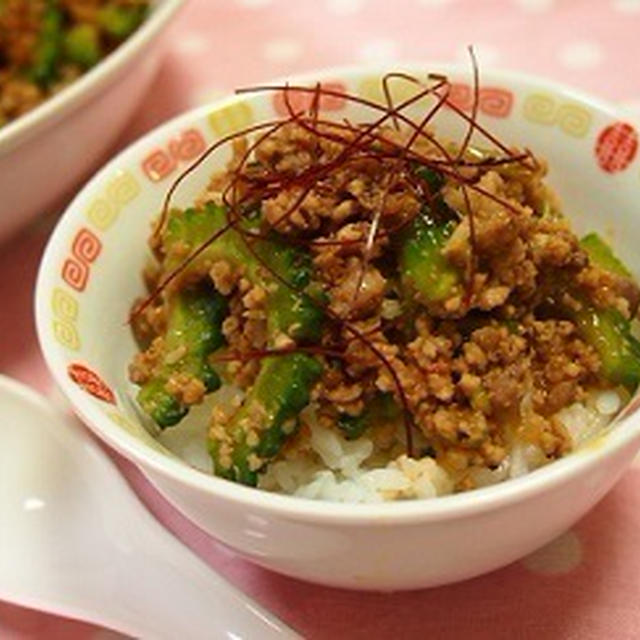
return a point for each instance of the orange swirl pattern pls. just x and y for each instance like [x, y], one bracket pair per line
[301, 101]
[163, 161]
[188, 146]
[86, 246]
[158, 165]
[85, 249]
[461, 96]
[75, 273]
[495, 102]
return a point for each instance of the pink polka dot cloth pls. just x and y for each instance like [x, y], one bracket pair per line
[586, 584]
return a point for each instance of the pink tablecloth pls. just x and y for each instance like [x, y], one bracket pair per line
[586, 584]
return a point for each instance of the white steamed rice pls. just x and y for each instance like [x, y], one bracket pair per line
[339, 470]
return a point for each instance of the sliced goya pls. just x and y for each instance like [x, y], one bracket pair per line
[289, 310]
[267, 417]
[609, 333]
[425, 270]
[118, 21]
[380, 410]
[607, 330]
[82, 45]
[194, 332]
[48, 48]
[601, 254]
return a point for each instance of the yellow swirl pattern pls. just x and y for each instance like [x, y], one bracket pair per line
[64, 305]
[574, 120]
[66, 334]
[540, 108]
[101, 213]
[231, 119]
[119, 192]
[65, 312]
[122, 189]
[547, 109]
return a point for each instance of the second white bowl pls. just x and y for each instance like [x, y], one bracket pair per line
[48, 151]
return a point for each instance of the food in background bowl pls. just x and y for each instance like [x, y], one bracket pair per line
[40, 147]
[390, 314]
[47, 44]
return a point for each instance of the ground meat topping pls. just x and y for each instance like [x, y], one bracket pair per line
[475, 367]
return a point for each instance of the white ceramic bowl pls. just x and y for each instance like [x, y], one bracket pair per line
[89, 276]
[48, 151]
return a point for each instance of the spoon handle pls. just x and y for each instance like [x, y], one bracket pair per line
[180, 597]
[75, 541]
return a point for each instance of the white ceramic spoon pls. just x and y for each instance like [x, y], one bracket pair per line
[75, 540]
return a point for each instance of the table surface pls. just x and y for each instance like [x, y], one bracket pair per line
[585, 584]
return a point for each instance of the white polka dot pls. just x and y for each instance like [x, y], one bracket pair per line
[535, 5]
[380, 50]
[627, 6]
[434, 3]
[582, 54]
[282, 50]
[192, 44]
[345, 7]
[485, 53]
[562, 555]
[253, 4]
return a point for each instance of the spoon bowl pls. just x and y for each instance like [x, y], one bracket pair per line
[76, 542]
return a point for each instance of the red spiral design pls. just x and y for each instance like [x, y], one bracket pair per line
[331, 103]
[86, 246]
[298, 100]
[495, 102]
[75, 273]
[91, 382]
[158, 165]
[187, 146]
[301, 101]
[460, 96]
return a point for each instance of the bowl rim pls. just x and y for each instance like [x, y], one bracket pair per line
[57, 106]
[158, 465]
